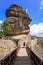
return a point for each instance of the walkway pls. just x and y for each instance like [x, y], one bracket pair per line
[22, 58]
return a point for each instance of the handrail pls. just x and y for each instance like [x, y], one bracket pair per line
[8, 59]
[35, 58]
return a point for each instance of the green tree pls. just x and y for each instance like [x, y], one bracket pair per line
[1, 34]
[5, 27]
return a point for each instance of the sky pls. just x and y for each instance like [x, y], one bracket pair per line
[34, 8]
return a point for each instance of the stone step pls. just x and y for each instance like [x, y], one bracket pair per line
[23, 62]
[22, 58]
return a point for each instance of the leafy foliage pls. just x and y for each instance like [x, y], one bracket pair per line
[6, 27]
[1, 34]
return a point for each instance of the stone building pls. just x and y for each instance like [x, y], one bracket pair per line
[18, 19]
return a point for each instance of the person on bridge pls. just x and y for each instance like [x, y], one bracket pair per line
[24, 44]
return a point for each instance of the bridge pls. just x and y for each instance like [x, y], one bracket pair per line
[21, 56]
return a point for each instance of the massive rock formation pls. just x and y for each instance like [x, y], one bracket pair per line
[18, 20]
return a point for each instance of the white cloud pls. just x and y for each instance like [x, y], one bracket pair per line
[42, 3]
[41, 7]
[0, 22]
[37, 29]
[26, 10]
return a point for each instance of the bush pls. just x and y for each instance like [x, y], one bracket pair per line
[6, 27]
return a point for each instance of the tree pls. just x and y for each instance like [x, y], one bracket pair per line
[1, 34]
[6, 27]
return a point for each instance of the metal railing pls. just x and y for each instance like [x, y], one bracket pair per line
[35, 58]
[8, 59]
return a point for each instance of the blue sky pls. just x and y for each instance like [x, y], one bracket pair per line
[34, 9]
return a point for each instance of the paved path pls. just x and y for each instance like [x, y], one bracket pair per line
[22, 58]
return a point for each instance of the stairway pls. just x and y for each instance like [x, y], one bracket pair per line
[22, 58]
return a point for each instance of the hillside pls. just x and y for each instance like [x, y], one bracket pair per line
[40, 41]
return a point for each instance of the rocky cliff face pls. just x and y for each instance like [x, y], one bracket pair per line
[6, 46]
[17, 18]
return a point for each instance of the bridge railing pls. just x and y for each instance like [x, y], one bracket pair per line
[8, 59]
[35, 58]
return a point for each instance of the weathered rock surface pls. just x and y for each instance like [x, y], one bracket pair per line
[6, 46]
[18, 20]
[36, 47]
